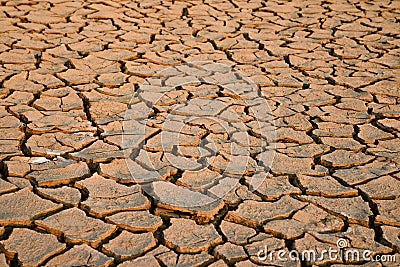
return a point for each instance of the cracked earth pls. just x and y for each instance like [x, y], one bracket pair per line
[70, 191]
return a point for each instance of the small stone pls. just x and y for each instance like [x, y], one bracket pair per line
[187, 237]
[32, 248]
[22, 207]
[128, 245]
[81, 255]
[236, 233]
[77, 227]
[136, 221]
[230, 252]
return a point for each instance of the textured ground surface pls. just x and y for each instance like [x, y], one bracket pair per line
[328, 70]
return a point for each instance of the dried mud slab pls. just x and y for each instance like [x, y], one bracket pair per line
[76, 227]
[81, 255]
[22, 207]
[32, 248]
[186, 236]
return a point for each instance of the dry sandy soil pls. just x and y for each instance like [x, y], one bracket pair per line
[116, 151]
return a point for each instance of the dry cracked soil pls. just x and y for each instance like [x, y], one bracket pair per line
[86, 123]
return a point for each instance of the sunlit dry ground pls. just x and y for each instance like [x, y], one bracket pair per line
[329, 72]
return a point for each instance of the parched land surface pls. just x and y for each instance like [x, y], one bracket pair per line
[70, 70]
